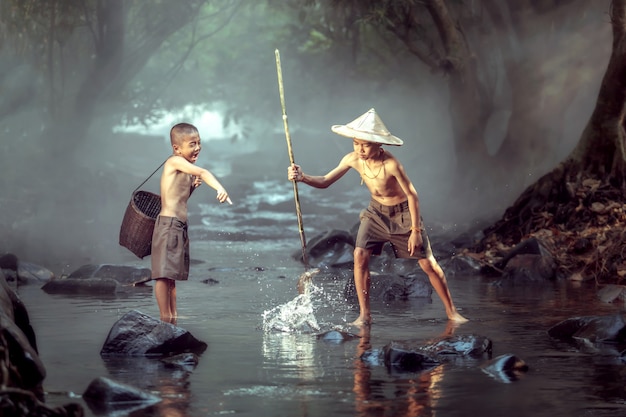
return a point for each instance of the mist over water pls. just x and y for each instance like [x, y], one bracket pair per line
[62, 200]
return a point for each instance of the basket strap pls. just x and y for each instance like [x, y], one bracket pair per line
[155, 171]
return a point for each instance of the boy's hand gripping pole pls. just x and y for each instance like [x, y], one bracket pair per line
[290, 150]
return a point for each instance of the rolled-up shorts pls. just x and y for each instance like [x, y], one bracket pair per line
[381, 224]
[170, 249]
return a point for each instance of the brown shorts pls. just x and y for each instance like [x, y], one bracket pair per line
[170, 249]
[381, 224]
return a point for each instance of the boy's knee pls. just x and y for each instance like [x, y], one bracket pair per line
[428, 264]
[361, 255]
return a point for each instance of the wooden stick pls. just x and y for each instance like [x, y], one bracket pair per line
[291, 159]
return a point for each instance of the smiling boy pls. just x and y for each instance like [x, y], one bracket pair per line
[393, 213]
[170, 243]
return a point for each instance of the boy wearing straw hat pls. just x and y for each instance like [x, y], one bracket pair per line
[393, 214]
[170, 244]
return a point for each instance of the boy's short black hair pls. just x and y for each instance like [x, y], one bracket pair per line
[181, 129]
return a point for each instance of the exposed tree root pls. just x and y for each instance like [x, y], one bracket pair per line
[583, 225]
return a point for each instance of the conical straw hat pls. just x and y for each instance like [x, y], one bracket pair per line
[368, 127]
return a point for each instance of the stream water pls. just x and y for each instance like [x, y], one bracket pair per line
[252, 369]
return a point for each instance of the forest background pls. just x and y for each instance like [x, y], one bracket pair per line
[514, 107]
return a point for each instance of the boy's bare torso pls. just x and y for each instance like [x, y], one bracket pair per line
[380, 178]
[175, 192]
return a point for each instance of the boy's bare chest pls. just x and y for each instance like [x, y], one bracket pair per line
[178, 185]
[373, 173]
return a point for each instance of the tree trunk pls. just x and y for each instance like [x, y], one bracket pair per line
[600, 151]
[582, 198]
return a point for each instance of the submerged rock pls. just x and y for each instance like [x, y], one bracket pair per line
[336, 336]
[465, 345]
[612, 293]
[505, 368]
[398, 358]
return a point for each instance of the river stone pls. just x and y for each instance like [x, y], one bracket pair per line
[591, 328]
[9, 261]
[333, 248]
[28, 273]
[92, 286]
[17, 340]
[13, 306]
[137, 334]
[104, 396]
[462, 345]
[612, 293]
[461, 264]
[23, 272]
[125, 275]
[336, 336]
[398, 358]
[505, 368]
[529, 261]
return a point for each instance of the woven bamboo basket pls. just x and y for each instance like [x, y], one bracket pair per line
[138, 224]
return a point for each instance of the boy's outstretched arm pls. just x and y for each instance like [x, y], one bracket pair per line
[294, 173]
[181, 164]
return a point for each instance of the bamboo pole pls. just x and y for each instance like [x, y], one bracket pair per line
[291, 158]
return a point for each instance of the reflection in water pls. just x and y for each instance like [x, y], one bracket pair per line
[249, 372]
[295, 353]
[165, 379]
[413, 396]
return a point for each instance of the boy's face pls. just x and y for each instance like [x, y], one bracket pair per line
[365, 149]
[189, 147]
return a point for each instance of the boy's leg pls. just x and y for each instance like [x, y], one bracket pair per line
[173, 310]
[438, 280]
[362, 285]
[162, 295]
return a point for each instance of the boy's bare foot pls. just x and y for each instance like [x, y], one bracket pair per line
[456, 317]
[361, 322]
[169, 319]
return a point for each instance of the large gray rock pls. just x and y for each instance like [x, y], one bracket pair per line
[137, 334]
[332, 248]
[593, 329]
[22, 394]
[26, 371]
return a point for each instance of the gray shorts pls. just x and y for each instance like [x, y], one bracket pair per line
[170, 249]
[381, 224]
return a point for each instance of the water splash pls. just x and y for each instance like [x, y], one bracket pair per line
[295, 316]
